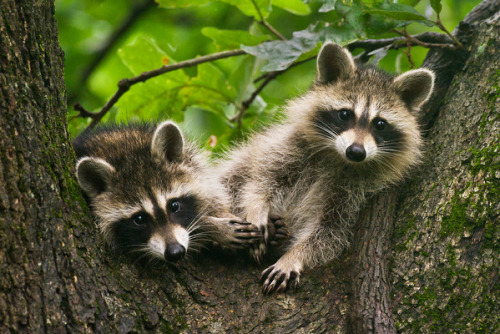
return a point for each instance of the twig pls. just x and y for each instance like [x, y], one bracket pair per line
[266, 24]
[428, 39]
[134, 14]
[443, 28]
[125, 84]
[408, 50]
[268, 77]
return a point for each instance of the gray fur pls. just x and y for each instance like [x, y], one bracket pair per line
[139, 170]
[298, 169]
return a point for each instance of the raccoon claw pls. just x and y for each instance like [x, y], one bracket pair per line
[258, 251]
[274, 279]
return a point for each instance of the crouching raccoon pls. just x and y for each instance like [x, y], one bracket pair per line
[152, 192]
[355, 132]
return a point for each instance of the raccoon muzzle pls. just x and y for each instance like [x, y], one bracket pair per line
[356, 152]
[175, 252]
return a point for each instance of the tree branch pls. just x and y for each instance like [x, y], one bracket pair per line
[134, 14]
[125, 84]
[266, 24]
[430, 40]
[427, 39]
[267, 79]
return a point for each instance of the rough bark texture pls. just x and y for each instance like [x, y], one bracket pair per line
[371, 310]
[56, 275]
[446, 259]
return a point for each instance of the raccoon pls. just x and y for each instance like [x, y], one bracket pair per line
[152, 192]
[353, 133]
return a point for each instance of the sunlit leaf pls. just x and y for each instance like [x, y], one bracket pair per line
[145, 55]
[232, 39]
[209, 89]
[254, 8]
[399, 12]
[296, 7]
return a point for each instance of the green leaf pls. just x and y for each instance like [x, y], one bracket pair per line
[232, 39]
[252, 7]
[436, 5]
[143, 54]
[209, 89]
[341, 34]
[181, 3]
[154, 97]
[280, 54]
[412, 3]
[399, 12]
[353, 14]
[328, 5]
[247, 7]
[296, 7]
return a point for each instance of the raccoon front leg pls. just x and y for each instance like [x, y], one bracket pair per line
[321, 246]
[258, 213]
[232, 231]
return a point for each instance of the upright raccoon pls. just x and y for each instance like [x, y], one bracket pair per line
[152, 193]
[353, 133]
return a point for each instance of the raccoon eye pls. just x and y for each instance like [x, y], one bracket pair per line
[140, 219]
[380, 124]
[344, 114]
[175, 206]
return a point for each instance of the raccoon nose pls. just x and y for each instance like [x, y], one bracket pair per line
[175, 252]
[356, 152]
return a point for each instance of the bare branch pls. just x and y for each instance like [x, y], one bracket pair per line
[427, 39]
[443, 28]
[267, 79]
[266, 24]
[125, 84]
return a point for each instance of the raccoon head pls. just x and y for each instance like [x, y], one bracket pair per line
[142, 199]
[362, 115]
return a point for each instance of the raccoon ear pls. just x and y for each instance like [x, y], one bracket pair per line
[168, 142]
[415, 87]
[94, 175]
[334, 63]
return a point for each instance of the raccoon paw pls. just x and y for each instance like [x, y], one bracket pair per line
[276, 279]
[277, 230]
[245, 234]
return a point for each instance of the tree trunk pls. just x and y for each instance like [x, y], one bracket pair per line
[57, 276]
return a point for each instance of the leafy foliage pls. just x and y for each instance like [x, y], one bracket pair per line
[207, 99]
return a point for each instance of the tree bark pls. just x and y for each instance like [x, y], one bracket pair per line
[57, 276]
[371, 309]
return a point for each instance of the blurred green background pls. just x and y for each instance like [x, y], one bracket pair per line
[204, 98]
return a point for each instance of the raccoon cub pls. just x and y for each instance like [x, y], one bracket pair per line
[152, 193]
[353, 133]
